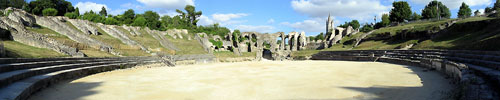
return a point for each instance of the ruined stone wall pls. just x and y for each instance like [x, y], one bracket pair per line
[22, 35]
[58, 24]
[162, 39]
[84, 26]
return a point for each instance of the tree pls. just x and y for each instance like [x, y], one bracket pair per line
[128, 17]
[488, 10]
[320, 36]
[354, 24]
[415, 16]
[497, 5]
[477, 13]
[62, 6]
[152, 19]
[103, 12]
[77, 11]
[385, 20]
[139, 21]
[72, 15]
[464, 11]
[191, 15]
[92, 16]
[111, 21]
[366, 28]
[431, 10]
[12, 3]
[49, 12]
[400, 12]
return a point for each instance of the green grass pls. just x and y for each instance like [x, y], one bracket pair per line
[118, 45]
[228, 54]
[187, 46]
[148, 41]
[86, 49]
[19, 50]
[475, 33]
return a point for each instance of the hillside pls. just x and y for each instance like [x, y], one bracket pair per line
[475, 33]
[27, 35]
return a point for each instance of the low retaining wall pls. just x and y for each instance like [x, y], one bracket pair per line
[472, 70]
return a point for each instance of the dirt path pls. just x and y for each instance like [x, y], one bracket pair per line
[256, 81]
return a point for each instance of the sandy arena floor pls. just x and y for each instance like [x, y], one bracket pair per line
[256, 81]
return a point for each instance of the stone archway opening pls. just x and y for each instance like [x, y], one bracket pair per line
[267, 54]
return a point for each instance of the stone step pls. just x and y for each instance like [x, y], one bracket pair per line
[492, 76]
[21, 90]
[10, 77]
[23, 60]
[26, 65]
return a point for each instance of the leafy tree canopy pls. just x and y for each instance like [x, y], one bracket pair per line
[464, 11]
[401, 11]
[62, 6]
[431, 10]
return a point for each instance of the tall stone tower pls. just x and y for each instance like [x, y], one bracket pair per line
[329, 25]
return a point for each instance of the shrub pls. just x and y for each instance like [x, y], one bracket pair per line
[217, 44]
[71, 15]
[1, 13]
[49, 12]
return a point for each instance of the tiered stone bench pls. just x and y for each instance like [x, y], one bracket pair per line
[21, 77]
[477, 73]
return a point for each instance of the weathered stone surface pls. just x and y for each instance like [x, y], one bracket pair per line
[176, 33]
[338, 35]
[84, 26]
[162, 39]
[114, 32]
[203, 40]
[20, 34]
[20, 16]
[133, 30]
[57, 25]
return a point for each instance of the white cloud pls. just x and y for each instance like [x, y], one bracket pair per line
[455, 4]
[204, 20]
[339, 8]
[310, 25]
[87, 6]
[226, 17]
[222, 19]
[256, 28]
[270, 21]
[167, 4]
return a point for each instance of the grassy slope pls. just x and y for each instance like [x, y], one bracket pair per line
[16, 49]
[86, 49]
[187, 46]
[118, 45]
[148, 41]
[476, 33]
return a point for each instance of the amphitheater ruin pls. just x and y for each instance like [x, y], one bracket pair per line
[272, 74]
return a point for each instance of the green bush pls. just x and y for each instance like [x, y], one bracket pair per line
[218, 44]
[1, 13]
[111, 21]
[71, 15]
[49, 12]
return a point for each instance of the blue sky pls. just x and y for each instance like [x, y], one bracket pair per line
[272, 15]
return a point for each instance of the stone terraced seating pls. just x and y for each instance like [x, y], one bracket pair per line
[478, 71]
[21, 77]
